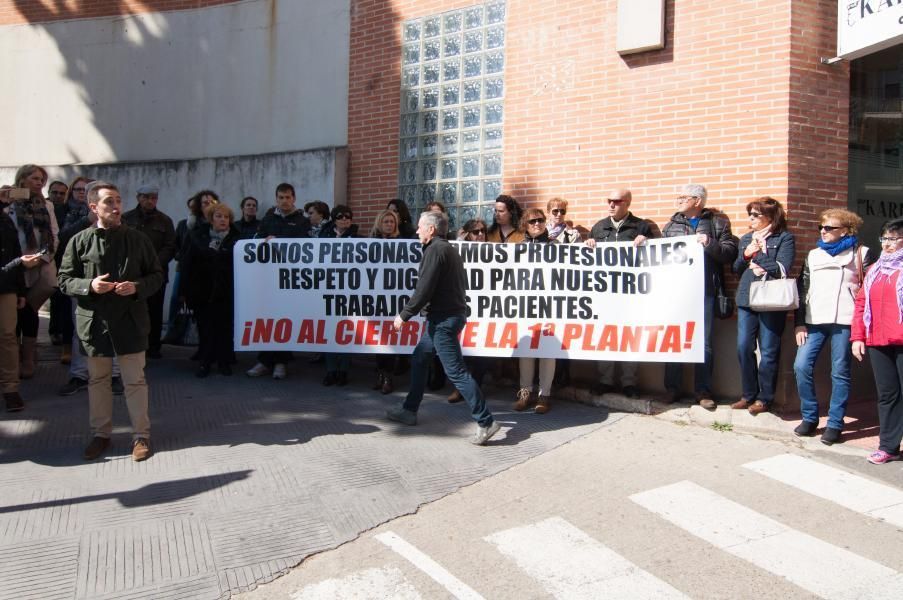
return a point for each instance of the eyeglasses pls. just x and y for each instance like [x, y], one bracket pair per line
[620, 200]
[342, 216]
[559, 211]
[682, 199]
[828, 228]
[536, 221]
[477, 232]
[889, 240]
[754, 215]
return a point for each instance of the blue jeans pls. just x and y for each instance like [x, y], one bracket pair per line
[765, 329]
[804, 365]
[442, 338]
[702, 378]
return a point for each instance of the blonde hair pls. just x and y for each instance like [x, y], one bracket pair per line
[557, 202]
[848, 219]
[376, 231]
[219, 207]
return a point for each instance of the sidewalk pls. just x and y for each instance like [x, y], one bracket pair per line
[249, 477]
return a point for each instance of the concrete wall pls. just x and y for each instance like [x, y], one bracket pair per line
[245, 78]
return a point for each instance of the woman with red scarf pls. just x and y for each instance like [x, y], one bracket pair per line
[878, 325]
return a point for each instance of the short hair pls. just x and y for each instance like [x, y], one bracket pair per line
[94, 192]
[892, 226]
[530, 214]
[848, 219]
[285, 187]
[695, 190]
[245, 201]
[439, 220]
[436, 204]
[58, 182]
[557, 202]
[341, 209]
[772, 209]
[25, 171]
[219, 207]
[376, 231]
[319, 206]
[402, 209]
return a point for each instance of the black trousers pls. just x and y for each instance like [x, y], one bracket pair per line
[61, 316]
[155, 312]
[214, 332]
[887, 367]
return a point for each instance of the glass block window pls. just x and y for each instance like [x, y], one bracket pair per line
[453, 111]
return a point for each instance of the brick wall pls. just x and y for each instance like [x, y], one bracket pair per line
[736, 101]
[14, 12]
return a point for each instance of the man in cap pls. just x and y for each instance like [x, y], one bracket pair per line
[159, 228]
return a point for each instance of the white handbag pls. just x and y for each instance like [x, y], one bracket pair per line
[766, 295]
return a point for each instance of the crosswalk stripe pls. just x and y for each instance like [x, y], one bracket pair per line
[570, 564]
[808, 562]
[856, 493]
[437, 572]
[370, 584]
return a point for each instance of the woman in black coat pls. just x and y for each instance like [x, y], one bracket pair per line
[207, 286]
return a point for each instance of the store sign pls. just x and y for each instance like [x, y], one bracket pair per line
[866, 26]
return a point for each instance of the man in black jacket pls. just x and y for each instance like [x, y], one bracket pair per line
[12, 298]
[440, 291]
[713, 231]
[619, 226]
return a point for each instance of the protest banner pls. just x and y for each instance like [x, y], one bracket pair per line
[612, 302]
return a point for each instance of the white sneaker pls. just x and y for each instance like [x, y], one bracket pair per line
[484, 433]
[279, 371]
[258, 370]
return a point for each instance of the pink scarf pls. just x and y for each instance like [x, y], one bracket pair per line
[886, 266]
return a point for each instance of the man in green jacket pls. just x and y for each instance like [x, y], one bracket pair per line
[111, 270]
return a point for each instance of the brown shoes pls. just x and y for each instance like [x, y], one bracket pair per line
[543, 404]
[97, 447]
[140, 450]
[757, 407]
[523, 399]
[455, 397]
[741, 404]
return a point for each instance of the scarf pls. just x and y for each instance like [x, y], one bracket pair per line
[316, 229]
[555, 230]
[885, 266]
[835, 248]
[77, 211]
[33, 218]
[216, 238]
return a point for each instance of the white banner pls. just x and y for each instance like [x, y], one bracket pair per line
[614, 302]
[867, 26]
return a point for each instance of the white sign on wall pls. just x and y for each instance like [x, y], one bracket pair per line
[866, 26]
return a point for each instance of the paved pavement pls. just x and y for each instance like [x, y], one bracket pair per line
[249, 477]
[644, 509]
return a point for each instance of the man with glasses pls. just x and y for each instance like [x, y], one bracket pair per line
[620, 225]
[158, 227]
[713, 231]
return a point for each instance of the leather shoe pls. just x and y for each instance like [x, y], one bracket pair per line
[97, 447]
[805, 429]
[830, 436]
[387, 387]
[454, 397]
[757, 407]
[707, 403]
[741, 404]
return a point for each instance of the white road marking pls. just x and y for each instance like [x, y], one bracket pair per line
[370, 584]
[856, 493]
[437, 572]
[570, 564]
[806, 561]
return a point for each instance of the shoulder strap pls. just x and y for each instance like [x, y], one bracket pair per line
[859, 268]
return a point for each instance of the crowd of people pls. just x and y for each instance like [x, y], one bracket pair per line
[104, 272]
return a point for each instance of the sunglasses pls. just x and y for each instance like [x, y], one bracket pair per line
[536, 221]
[754, 215]
[559, 211]
[828, 228]
[342, 216]
[477, 232]
[615, 200]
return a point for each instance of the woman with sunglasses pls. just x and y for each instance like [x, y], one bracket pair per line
[533, 227]
[558, 228]
[877, 325]
[832, 275]
[765, 252]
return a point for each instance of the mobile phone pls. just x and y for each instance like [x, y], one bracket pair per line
[42, 252]
[19, 194]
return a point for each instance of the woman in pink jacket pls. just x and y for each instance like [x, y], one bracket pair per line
[878, 325]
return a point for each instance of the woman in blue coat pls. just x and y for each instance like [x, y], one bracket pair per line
[766, 251]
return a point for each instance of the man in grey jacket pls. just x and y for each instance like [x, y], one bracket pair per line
[440, 291]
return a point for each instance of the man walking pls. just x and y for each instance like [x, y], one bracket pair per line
[619, 226]
[713, 231]
[159, 228]
[112, 270]
[440, 291]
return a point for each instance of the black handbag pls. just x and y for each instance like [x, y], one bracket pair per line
[724, 304]
[183, 331]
